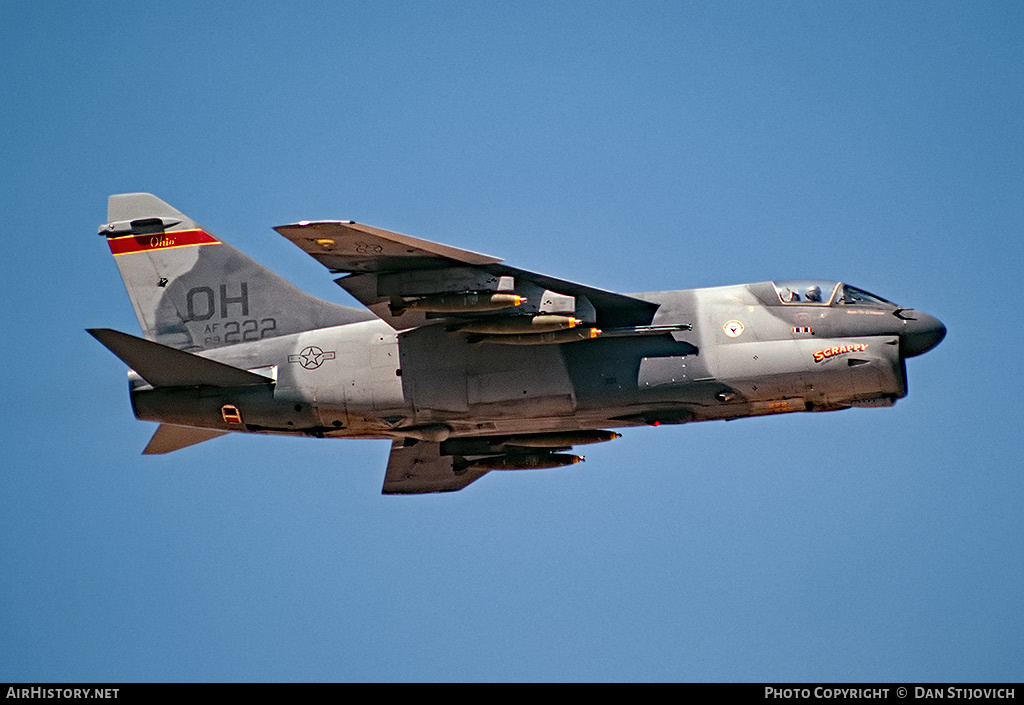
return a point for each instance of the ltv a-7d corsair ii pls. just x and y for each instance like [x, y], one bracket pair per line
[464, 363]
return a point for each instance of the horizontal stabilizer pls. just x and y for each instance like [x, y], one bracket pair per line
[162, 366]
[169, 437]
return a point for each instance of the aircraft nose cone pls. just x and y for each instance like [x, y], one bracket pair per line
[920, 334]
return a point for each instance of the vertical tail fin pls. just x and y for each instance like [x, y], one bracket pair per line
[194, 292]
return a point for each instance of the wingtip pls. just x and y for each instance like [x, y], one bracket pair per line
[100, 333]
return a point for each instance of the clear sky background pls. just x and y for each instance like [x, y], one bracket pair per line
[631, 146]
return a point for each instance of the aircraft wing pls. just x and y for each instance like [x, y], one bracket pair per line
[387, 271]
[420, 468]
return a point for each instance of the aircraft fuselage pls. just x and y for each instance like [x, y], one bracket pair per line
[737, 351]
[467, 364]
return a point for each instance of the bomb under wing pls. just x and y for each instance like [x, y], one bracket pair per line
[469, 302]
[519, 461]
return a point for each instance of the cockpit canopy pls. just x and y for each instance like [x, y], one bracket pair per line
[814, 292]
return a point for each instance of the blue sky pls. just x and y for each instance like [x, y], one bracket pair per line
[630, 146]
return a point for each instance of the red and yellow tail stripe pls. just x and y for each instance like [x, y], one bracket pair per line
[160, 241]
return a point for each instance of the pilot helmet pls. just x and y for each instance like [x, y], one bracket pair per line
[813, 293]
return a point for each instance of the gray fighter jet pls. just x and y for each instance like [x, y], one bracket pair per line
[464, 363]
